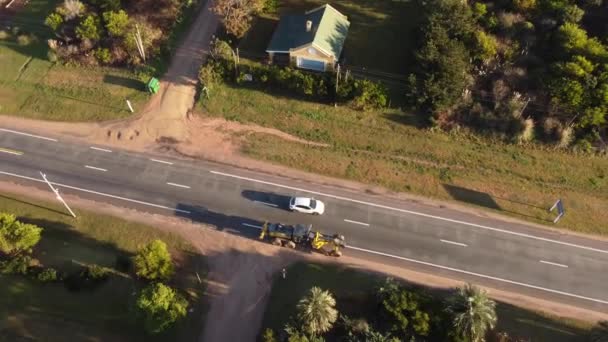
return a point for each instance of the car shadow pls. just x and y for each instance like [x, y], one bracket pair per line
[268, 198]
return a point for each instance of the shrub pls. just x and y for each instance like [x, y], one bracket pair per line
[4, 35]
[103, 55]
[47, 275]
[88, 278]
[24, 39]
[71, 9]
[268, 336]
[116, 23]
[16, 265]
[153, 262]
[54, 21]
[89, 28]
[368, 94]
[95, 272]
[159, 306]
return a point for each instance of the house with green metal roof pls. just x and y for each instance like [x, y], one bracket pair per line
[313, 40]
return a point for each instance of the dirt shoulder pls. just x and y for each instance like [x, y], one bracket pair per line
[241, 271]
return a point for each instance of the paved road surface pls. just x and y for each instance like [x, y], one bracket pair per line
[496, 253]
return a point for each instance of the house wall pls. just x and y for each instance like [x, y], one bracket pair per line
[310, 52]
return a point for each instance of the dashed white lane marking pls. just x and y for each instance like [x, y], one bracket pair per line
[178, 185]
[100, 149]
[27, 134]
[482, 275]
[6, 150]
[266, 203]
[95, 168]
[553, 263]
[415, 213]
[97, 193]
[161, 161]
[251, 225]
[357, 222]
[453, 243]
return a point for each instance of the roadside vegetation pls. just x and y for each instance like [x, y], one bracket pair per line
[78, 61]
[94, 277]
[374, 137]
[317, 302]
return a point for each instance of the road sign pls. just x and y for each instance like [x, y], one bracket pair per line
[559, 205]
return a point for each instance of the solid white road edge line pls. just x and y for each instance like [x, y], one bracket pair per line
[95, 168]
[17, 153]
[99, 149]
[453, 243]
[416, 213]
[27, 134]
[161, 161]
[266, 203]
[553, 263]
[178, 185]
[482, 275]
[357, 222]
[251, 225]
[96, 193]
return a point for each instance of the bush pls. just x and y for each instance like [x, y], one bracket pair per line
[103, 55]
[17, 265]
[368, 95]
[54, 21]
[88, 278]
[47, 275]
[116, 23]
[153, 262]
[159, 306]
[268, 336]
[24, 39]
[4, 35]
[89, 28]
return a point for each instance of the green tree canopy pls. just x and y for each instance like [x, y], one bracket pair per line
[153, 262]
[403, 310]
[54, 21]
[472, 312]
[317, 312]
[15, 236]
[159, 306]
[89, 28]
[116, 22]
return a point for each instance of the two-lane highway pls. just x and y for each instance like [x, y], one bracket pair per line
[498, 253]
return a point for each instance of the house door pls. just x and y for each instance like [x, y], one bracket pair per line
[310, 64]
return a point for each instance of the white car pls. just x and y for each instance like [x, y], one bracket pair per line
[306, 205]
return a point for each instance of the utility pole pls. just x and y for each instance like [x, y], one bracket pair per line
[337, 81]
[130, 107]
[56, 191]
[140, 44]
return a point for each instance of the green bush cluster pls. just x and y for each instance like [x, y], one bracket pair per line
[360, 94]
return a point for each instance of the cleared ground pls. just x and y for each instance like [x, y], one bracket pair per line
[352, 291]
[50, 312]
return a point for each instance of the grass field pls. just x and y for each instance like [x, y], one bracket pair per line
[351, 290]
[49, 312]
[31, 86]
[380, 37]
[388, 148]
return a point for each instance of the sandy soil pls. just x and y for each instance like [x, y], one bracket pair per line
[241, 271]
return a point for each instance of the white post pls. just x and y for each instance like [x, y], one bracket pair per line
[56, 191]
[130, 107]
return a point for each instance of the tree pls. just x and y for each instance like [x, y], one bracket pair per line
[599, 333]
[153, 262]
[159, 306]
[15, 236]
[54, 21]
[486, 46]
[71, 9]
[572, 37]
[116, 23]
[268, 336]
[316, 311]
[236, 15]
[89, 28]
[403, 309]
[472, 312]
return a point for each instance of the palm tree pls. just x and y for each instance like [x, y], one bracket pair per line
[316, 311]
[472, 312]
[599, 333]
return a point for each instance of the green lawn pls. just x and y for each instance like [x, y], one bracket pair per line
[380, 37]
[388, 148]
[31, 86]
[49, 312]
[352, 291]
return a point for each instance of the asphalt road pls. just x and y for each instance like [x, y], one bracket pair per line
[500, 254]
